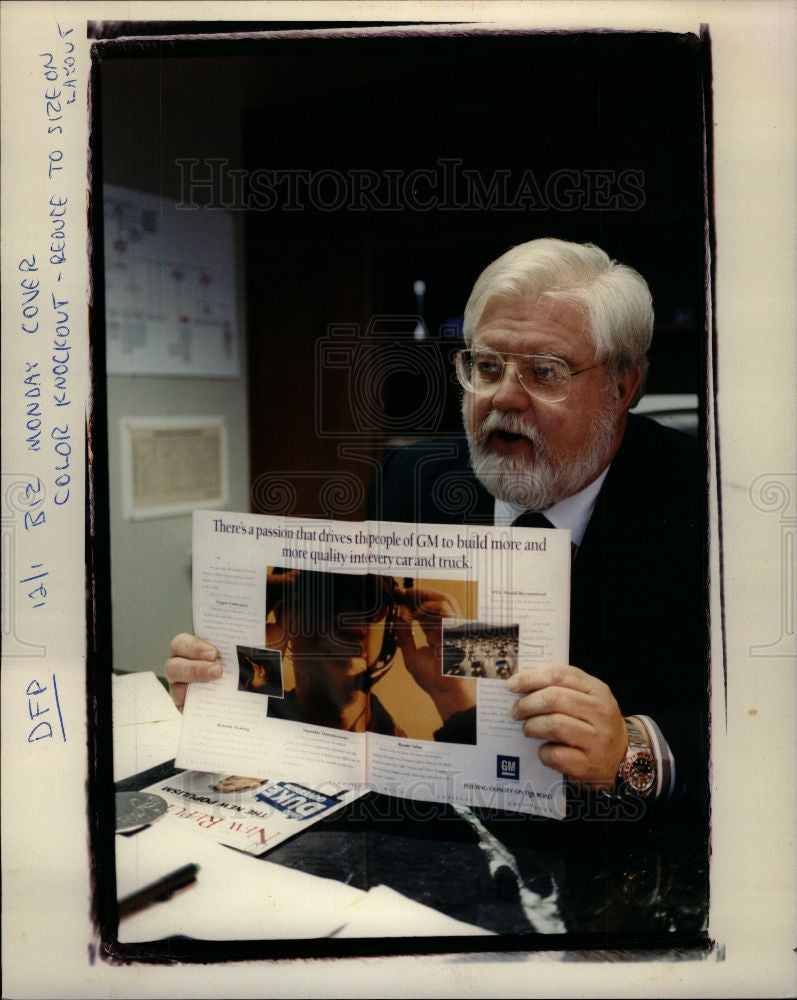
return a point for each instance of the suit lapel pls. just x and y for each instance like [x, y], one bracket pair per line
[451, 493]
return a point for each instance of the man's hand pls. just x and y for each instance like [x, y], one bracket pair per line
[190, 659]
[424, 663]
[577, 716]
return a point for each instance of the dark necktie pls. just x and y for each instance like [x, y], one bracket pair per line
[531, 519]
[534, 519]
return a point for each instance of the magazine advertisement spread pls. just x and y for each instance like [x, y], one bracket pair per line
[376, 655]
[251, 814]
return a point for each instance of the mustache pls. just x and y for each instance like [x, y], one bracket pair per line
[510, 423]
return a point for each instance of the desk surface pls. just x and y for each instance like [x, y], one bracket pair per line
[605, 884]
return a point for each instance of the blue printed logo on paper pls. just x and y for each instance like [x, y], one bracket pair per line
[296, 801]
[508, 767]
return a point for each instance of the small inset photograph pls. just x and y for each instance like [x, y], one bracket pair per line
[260, 671]
[476, 649]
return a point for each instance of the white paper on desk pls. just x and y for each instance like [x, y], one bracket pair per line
[140, 697]
[253, 819]
[383, 912]
[235, 897]
[509, 587]
[146, 724]
[138, 748]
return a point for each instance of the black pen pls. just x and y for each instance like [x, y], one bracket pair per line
[158, 891]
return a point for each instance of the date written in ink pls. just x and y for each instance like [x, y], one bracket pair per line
[38, 592]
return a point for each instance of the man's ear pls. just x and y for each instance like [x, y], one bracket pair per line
[627, 382]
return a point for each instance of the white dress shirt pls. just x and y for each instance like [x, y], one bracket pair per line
[573, 512]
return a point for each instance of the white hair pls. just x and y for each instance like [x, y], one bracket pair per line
[615, 299]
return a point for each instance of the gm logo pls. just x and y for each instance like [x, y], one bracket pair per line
[508, 767]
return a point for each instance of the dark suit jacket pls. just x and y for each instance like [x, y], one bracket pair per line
[638, 604]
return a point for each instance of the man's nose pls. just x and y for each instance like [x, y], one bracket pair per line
[510, 394]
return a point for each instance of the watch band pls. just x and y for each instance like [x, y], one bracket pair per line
[637, 732]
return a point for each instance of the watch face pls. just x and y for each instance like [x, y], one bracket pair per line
[640, 771]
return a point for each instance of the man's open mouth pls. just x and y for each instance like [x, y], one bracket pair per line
[506, 437]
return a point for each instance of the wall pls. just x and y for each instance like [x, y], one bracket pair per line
[151, 559]
[150, 118]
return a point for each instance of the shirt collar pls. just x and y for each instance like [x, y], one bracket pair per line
[572, 512]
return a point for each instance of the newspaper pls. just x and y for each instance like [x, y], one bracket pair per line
[251, 814]
[376, 655]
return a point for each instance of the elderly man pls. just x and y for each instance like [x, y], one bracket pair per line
[557, 336]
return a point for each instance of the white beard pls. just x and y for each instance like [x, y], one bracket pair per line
[537, 483]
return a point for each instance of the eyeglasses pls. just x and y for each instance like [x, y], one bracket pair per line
[481, 369]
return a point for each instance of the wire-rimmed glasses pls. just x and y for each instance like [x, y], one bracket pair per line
[481, 369]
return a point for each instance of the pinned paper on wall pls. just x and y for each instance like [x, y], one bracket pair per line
[170, 287]
[170, 465]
